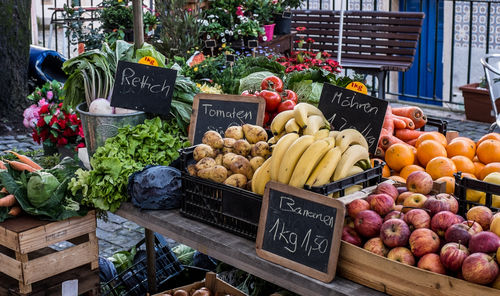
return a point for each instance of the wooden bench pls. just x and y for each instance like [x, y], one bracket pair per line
[373, 42]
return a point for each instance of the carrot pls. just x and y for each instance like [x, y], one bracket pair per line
[19, 166]
[388, 121]
[14, 211]
[412, 112]
[420, 122]
[7, 201]
[407, 134]
[2, 165]
[4, 190]
[409, 123]
[379, 153]
[25, 159]
[387, 141]
[398, 123]
[412, 142]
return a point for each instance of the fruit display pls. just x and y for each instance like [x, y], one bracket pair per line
[232, 160]
[422, 230]
[305, 152]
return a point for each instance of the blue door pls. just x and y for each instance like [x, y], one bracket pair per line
[425, 77]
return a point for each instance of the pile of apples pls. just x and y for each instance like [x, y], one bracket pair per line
[409, 225]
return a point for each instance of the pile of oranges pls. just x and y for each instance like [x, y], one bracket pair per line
[441, 159]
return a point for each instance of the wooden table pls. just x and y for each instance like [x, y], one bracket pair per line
[234, 250]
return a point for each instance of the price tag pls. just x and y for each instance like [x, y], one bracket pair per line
[253, 43]
[358, 86]
[230, 58]
[210, 43]
[286, 14]
[148, 60]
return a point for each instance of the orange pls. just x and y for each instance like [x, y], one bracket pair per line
[386, 172]
[492, 136]
[429, 149]
[475, 159]
[488, 169]
[407, 170]
[470, 176]
[450, 184]
[440, 167]
[463, 139]
[398, 156]
[478, 166]
[436, 136]
[461, 147]
[464, 164]
[397, 179]
[488, 151]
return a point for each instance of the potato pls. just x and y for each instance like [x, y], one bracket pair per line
[206, 162]
[242, 147]
[234, 132]
[256, 162]
[227, 159]
[192, 169]
[228, 145]
[249, 185]
[202, 151]
[217, 173]
[202, 292]
[254, 133]
[180, 292]
[236, 180]
[213, 139]
[261, 148]
[218, 159]
[241, 165]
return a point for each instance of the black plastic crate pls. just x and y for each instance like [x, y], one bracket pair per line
[440, 124]
[133, 281]
[464, 183]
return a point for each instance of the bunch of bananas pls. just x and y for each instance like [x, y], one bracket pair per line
[311, 159]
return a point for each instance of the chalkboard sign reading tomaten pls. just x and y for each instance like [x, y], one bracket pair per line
[218, 112]
[300, 230]
[349, 109]
[143, 87]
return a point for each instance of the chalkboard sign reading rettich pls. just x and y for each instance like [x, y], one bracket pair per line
[300, 230]
[143, 87]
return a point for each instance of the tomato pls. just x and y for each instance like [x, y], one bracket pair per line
[272, 83]
[290, 95]
[286, 105]
[272, 98]
[266, 117]
[247, 93]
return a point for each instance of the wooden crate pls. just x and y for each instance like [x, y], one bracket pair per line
[25, 255]
[217, 286]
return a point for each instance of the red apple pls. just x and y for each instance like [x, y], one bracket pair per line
[441, 221]
[381, 203]
[417, 218]
[415, 201]
[375, 245]
[348, 221]
[481, 215]
[357, 206]
[423, 241]
[474, 226]
[460, 219]
[453, 255]
[401, 189]
[398, 208]
[368, 223]
[401, 254]
[394, 215]
[451, 200]
[496, 283]
[401, 198]
[479, 268]
[420, 182]
[349, 235]
[435, 205]
[394, 233]
[484, 242]
[388, 189]
[458, 233]
[431, 262]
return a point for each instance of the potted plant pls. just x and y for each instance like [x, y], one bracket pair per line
[284, 25]
[117, 16]
[263, 12]
[477, 102]
[247, 29]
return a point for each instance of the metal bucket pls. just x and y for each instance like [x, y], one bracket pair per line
[97, 127]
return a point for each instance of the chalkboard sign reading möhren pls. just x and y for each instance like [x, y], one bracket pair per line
[345, 109]
[300, 230]
[218, 112]
[142, 87]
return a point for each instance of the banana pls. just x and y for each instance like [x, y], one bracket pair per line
[308, 162]
[352, 155]
[291, 126]
[261, 176]
[350, 137]
[313, 124]
[303, 111]
[272, 140]
[331, 141]
[278, 123]
[325, 168]
[333, 134]
[322, 134]
[279, 152]
[364, 164]
[347, 191]
[354, 170]
[293, 153]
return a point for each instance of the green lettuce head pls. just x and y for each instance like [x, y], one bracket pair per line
[40, 188]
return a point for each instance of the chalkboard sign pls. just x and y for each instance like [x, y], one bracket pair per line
[253, 43]
[286, 14]
[218, 112]
[300, 230]
[230, 58]
[143, 87]
[349, 109]
[210, 43]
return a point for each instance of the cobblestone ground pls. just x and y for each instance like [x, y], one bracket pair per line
[120, 234]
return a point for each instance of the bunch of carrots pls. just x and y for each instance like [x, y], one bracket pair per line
[24, 164]
[400, 126]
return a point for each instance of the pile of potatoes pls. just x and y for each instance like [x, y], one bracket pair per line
[231, 160]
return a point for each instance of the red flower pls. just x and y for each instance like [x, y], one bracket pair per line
[44, 109]
[328, 68]
[41, 122]
[301, 29]
[62, 141]
[310, 40]
[290, 69]
[35, 137]
[300, 67]
[80, 145]
[80, 132]
[325, 54]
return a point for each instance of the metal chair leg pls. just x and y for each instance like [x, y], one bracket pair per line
[381, 84]
[492, 127]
